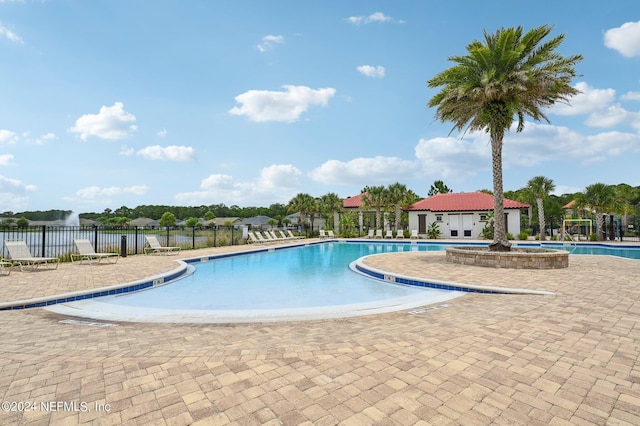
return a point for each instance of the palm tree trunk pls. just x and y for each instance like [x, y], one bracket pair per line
[600, 222]
[500, 242]
[543, 235]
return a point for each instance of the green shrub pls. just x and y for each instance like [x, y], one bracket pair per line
[509, 236]
[523, 235]
[593, 237]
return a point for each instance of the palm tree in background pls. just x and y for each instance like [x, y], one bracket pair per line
[438, 187]
[625, 196]
[400, 197]
[377, 197]
[330, 204]
[302, 203]
[540, 187]
[599, 198]
[510, 74]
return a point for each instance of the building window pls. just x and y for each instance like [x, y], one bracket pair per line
[483, 218]
[438, 218]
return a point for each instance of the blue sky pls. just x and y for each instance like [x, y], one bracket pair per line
[109, 103]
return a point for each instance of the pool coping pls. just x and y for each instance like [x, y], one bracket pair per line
[398, 278]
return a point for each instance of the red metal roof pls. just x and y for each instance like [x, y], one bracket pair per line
[464, 201]
[353, 202]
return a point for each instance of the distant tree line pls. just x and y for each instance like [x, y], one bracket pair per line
[277, 211]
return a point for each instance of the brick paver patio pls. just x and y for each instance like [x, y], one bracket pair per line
[568, 358]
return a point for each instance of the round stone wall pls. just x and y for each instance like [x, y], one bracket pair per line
[517, 258]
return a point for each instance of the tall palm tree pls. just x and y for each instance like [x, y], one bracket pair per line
[400, 197]
[600, 198]
[510, 74]
[377, 198]
[625, 196]
[540, 187]
[330, 205]
[302, 203]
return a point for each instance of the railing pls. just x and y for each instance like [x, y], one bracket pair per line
[57, 241]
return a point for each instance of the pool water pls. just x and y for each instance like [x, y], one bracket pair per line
[301, 277]
[628, 252]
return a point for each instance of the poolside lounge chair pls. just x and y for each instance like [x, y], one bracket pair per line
[4, 270]
[323, 235]
[274, 236]
[19, 254]
[253, 239]
[155, 247]
[290, 234]
[266, 238]
[86, 252]
[370, 234]
[414, 234]
[399, 234]
[378, 233]
[389, 234]
[330, 233]
[284, 236]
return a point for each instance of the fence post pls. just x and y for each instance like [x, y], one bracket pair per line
[215, 234]
[44, 240]
[95, 236]
[193, 237]
[136, 236]
[123, 246]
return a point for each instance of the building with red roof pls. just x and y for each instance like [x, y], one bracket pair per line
[462, 215]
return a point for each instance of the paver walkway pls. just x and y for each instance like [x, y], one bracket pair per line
[569, 358]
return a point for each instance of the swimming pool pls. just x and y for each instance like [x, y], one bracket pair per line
[306, 282]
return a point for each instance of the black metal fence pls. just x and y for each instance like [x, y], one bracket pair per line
[57, 241]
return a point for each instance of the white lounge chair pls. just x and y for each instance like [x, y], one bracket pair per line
[275, 236]
[389, 234]
[414, 234]
[323, 235]
[19, 254]
[330, 233]
[399, 234]
[87, 252]
[155, 247]
[370, 234]
[290, 234]
[253, 239]
[266, 237]
[378, 233]
[284, 236]
[3, 268]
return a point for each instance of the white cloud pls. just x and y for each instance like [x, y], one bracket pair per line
[285, 106]
[625, 39]
[5, 159]
[126, 151]
[269, 42]
[589, 100]
[377, 17]
[276, 183]
[110, 123]
[93, 192]
[612, 116]
[363, 171]
[8, 137]
[631, 96]
[6, 32]
[454, 158]
[171, 153]
[14, 186]
[371, 71]
[461, 159]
